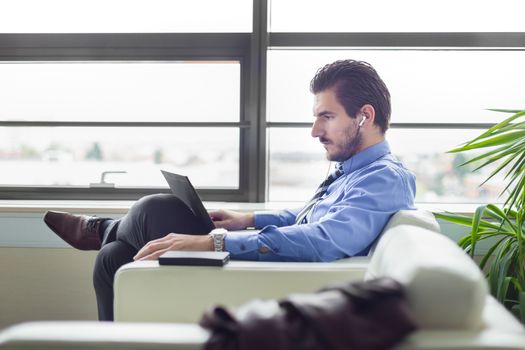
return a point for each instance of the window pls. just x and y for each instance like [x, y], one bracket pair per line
[443, 63]
[94, 112]
[218, 91]
[140, 92]
[121, 91]
[427, 87]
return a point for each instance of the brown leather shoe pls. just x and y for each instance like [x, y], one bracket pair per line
[80, 231]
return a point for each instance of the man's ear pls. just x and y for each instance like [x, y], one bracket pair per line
[367, 111]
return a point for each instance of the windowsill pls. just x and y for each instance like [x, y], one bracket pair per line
[121, 207]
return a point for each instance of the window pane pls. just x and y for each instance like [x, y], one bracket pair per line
[439, 177]
[396, 16]
[64, 156]
[116, 91]
[298, 165]
[124, 16]
[425, 86]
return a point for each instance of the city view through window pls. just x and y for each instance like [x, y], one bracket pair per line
[119, 92]
[296, 173]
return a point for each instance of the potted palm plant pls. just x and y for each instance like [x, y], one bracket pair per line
[502, 227]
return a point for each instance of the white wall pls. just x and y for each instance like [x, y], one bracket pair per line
[46, 284]
[41, 277]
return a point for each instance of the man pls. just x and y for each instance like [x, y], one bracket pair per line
[345, 216]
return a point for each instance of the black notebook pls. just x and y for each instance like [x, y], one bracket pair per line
[190, 258]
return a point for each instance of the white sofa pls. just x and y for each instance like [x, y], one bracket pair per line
[445, 290]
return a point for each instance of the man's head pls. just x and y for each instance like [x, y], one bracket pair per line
[352, 108]
[356, 84]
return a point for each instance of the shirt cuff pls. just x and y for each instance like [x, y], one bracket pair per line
[242, 246]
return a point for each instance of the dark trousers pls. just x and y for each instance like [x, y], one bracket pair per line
[149, 218]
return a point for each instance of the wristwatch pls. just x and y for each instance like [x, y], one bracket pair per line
[218, 235]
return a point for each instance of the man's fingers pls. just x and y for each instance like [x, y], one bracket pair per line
[155, 255]
[148, 246]
[152, 247]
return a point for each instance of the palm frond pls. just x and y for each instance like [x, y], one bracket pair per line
[501, 139]
[499, 125]
[514, 111]
[489, 253]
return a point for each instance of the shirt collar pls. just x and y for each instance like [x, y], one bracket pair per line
[366, 157]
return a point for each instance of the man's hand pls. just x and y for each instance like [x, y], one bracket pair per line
[174, 241]
[231, 220]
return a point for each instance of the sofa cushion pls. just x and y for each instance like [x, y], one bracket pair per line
[445, 288]
[421, 218]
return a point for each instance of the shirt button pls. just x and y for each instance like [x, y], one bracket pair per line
[243, 247]
[264, 250]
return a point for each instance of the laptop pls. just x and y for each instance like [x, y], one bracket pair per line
[182, 188]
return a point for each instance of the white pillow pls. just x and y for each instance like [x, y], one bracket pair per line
[445, 288]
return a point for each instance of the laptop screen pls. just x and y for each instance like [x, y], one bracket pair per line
[182, 188]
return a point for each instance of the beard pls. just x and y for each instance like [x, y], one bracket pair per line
[346, 148]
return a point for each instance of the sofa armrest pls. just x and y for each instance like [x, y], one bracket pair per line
[499, 330]
[463, 340]
[102, 336]
[147, 292]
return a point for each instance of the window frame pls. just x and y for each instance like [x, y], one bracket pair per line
[136, 47]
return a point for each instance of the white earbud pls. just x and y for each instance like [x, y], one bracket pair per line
[362, 122]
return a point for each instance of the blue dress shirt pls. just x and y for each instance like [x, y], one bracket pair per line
[345, 222]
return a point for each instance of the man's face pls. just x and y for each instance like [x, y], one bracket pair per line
[335, 129]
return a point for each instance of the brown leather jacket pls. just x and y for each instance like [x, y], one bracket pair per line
[358, 315]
